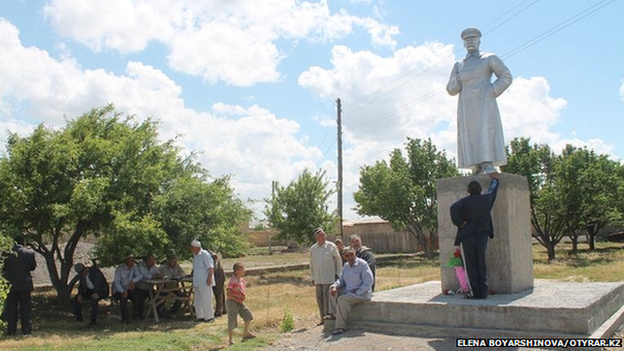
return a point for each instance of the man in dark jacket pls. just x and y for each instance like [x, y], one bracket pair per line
[92, 287]
[471, 215]
[365, 253]
[17, 268]
[219, 288]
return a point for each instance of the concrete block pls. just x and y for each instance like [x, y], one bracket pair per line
[509, 256]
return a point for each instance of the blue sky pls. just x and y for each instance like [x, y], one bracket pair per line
[251, 85]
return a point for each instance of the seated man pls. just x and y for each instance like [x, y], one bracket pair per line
[126, 276]
[92, 287]
[355, 283]
[147, 270]
[172, 270]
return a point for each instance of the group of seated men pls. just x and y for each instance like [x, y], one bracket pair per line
[129, 284]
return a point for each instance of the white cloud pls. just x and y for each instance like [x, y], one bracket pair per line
[528, 110]
[405, 106]
[598, 145]
[250, 142]
[622, 90]
[223, 40]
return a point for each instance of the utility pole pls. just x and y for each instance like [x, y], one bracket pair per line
[339, 122]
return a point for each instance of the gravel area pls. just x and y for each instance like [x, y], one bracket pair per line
[41, 277]
[316, 339]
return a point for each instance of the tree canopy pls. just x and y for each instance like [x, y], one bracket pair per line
[295, 210]
[403, 191]
[110, 177]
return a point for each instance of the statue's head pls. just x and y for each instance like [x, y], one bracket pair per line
[472, 39]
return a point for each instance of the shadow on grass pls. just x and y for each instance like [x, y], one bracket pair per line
[583, 257]
[272, 279]
[47, 318]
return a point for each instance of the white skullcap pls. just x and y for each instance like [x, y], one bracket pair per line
[195, 243]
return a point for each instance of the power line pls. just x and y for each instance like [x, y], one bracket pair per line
[323, 139]
[559, 27]
[398, 109]
[510, 18]
[380, 93]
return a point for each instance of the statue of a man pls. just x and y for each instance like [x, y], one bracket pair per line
[480, 142]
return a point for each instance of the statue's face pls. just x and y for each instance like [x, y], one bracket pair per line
[472, 44]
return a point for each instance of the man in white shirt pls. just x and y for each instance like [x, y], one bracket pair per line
[148, 270]
[203, 281]
[126, 276]
[325, 267]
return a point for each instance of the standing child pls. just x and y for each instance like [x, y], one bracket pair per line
[235, 303]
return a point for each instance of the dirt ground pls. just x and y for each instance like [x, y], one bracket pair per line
[315, 339]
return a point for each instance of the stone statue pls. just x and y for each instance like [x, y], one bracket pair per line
[480, 142]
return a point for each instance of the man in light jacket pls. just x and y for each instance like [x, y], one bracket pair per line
[325, 267]
[126, 276]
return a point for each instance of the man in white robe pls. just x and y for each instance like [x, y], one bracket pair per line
[203, 281]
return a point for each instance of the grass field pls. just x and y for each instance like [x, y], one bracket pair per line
[269, 296]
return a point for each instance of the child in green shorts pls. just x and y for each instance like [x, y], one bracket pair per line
[236, 293]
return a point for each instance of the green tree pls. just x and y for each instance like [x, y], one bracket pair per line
[603, 186]
[570, 193]
[294, 211]
[537, 163]
[403, 191]
[110, 177]
[5, 246]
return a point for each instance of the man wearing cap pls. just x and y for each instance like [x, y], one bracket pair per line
[480, 142]
[325, 267]
[126, 276]
[92, 287]
[365, 253]
[203, 281]
[16, 271]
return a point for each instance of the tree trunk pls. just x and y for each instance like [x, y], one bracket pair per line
[59, 278]
[422, 241]
[551, 251]
[62, 296]
[574, 238]
[591, 239]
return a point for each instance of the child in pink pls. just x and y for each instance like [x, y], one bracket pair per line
[234, 304]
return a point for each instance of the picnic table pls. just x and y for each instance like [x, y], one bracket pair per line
[170, 290]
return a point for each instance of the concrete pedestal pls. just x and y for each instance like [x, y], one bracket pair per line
[550, 309]
[509, 256]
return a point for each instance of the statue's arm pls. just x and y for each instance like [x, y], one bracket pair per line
[503, 75]
[454, 85]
